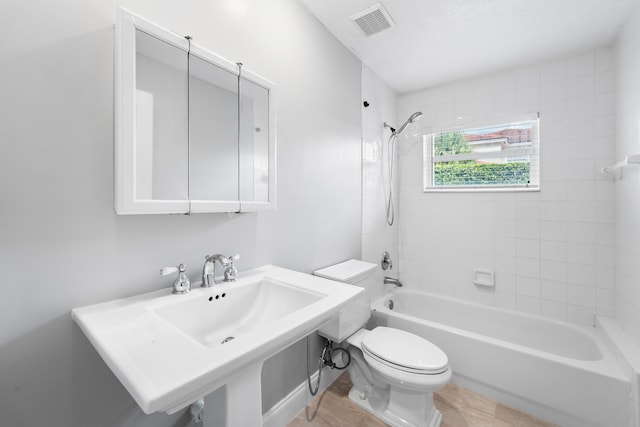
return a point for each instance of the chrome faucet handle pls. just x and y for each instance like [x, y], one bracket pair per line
[181, 285]
[231, 272]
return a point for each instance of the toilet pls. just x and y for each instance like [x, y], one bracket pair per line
[394, 372]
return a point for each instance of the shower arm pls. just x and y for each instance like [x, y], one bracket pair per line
[387, 125]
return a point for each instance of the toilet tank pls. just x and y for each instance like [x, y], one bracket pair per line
[356, 315]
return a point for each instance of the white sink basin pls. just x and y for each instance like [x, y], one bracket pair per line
[235, 309]
[170, 350]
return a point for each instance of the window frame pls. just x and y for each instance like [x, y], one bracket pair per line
[429, 160]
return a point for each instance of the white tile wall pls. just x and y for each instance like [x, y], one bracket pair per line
[377, 236]
[625, 298]
[552, 251]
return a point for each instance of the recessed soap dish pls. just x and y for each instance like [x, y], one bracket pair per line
[483, 278]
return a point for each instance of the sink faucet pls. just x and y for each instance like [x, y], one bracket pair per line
[181, 285]
[209, 269]
[391, 281]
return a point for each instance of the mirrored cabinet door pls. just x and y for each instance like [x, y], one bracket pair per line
[256, 143]
[151, 132]
[213, 135]
[161, 125]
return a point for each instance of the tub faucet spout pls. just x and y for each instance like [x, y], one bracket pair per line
[391, 281]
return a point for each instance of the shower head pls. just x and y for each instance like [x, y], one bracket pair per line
[415, 116]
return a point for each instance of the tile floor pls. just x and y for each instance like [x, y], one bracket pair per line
[459, 406]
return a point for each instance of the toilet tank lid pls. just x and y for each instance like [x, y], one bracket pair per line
[350, 271]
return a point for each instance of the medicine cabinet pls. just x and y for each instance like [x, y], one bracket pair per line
[194, 131]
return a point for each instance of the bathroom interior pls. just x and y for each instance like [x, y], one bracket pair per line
[554, 257]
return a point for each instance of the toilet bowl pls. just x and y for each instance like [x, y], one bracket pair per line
[394, 373]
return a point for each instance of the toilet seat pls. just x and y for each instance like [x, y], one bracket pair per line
[404, 351]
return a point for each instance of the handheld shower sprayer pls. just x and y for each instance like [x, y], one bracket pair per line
[415, 116]
[390, 157]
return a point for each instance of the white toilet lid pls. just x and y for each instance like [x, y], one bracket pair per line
[405, 351]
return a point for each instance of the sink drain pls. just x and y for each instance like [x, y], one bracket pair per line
[227, 339]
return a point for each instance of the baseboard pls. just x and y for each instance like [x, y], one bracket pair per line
[286, 409]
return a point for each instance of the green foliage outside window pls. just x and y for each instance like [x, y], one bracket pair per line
[472, 173]
[450, 143]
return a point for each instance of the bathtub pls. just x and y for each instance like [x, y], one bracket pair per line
[560, 372]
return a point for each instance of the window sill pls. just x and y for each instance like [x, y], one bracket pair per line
[481, 189]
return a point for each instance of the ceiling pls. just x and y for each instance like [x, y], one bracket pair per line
[438, 41]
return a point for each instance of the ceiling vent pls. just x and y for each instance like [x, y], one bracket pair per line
[373, 19]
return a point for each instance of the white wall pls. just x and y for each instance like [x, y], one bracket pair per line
[377, 236]
[627, 298]
[62, 246]
[552, 251]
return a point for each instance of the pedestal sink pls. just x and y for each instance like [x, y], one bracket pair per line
[171, 350]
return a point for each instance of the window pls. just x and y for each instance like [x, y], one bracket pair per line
[496, 157]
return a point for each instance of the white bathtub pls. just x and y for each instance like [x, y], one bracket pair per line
[557, 371]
